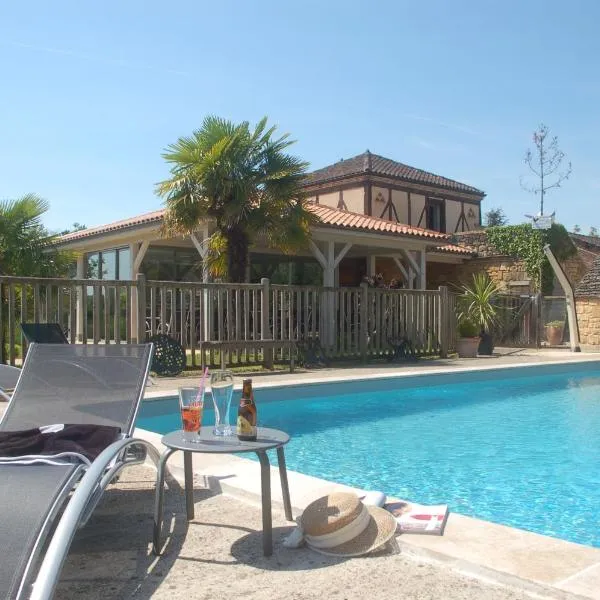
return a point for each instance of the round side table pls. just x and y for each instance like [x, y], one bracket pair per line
[208, 443]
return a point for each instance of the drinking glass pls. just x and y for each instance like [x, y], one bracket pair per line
[221, 386]
[191, 404]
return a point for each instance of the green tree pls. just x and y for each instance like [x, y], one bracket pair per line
[495, 217]
[576, 229]
[243, 181]
[25, 244]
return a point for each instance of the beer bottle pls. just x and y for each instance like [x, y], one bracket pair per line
[246, 421]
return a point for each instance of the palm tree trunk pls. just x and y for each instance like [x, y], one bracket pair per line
[238, 246]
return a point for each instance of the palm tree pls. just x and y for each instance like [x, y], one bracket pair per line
[245, 182]
[26, 248]
[25, 244]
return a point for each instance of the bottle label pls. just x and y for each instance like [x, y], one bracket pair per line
[244, 427]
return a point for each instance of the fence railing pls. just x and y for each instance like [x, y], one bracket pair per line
[359, 322]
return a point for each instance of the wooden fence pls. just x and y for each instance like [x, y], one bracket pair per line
[348, 322]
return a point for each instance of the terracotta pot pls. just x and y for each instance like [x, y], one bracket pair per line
[467, 347]
[554, 334]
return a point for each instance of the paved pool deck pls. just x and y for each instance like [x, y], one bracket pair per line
[218, 555]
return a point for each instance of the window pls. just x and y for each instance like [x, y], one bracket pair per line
[434, 214]
[108, 264]
[163, 263]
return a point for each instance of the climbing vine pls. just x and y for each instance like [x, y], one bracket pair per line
[526, 243]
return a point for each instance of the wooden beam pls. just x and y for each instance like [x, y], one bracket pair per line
[198, 244]
[411, 261]
[341, 255]
[139, 257]
[401, 268]
[317, 254]
[422, 270]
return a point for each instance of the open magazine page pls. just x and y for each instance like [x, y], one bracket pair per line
[419, 518]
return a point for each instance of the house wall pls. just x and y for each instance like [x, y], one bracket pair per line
[472, 215]
[588, 319]
[331, 199]
[379, 199]
[400, 200]
[505, 271]
[417, 204]
[354, 199]
[453, 213]
[405, 207]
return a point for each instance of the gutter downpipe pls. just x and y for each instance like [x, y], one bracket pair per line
[569, 297]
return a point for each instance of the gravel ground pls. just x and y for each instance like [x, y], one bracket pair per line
[219, 555]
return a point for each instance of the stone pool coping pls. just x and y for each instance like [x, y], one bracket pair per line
[338, 375]
[504, 554]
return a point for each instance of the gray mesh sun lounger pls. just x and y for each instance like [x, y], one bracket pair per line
[43, 505]
[8, 380]
[44, 333]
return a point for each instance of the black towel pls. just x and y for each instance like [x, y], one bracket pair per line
[87, 440]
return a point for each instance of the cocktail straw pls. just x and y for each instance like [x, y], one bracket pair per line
[202, 384]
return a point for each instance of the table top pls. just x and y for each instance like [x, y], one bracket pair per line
[209, 443]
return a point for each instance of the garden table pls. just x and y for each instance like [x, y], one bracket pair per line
[209, 443]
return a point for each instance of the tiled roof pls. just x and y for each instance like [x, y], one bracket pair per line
[379, 165]
[342, 219]
[329, 217]
[590, 284]
[452, 249]
[151, 217]
[587, 241]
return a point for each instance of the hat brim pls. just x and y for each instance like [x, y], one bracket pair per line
[381, 528]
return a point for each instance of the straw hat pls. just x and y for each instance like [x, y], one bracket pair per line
[339, 524]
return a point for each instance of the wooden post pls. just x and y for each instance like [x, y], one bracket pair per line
[2, 325]
[364, 326]
[141, 308]
[423, 270]
[445, 324]
[265, 325]
[81, 299]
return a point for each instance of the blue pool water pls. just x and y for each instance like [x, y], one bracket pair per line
[519, 447]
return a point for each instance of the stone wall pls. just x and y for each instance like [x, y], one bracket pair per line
[505, 271]
[588, 319]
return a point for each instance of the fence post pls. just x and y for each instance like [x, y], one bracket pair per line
[141, 307]
[537, 313]
[265, 320]
[444, 326]
[2, 325]
[364, 326]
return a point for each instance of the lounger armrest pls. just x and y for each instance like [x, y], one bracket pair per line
[49, 573]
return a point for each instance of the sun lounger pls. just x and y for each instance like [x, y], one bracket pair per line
[43, 505]
[44, 333]
[8, 380]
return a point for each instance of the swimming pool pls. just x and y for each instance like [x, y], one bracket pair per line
[518, 446]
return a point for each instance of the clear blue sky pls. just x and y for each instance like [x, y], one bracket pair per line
[93, 92]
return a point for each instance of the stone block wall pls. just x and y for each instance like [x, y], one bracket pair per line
[501, 269]
[588, 318]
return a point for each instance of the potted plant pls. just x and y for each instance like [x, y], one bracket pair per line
[468, 338]
[477, 304]
[554, 332]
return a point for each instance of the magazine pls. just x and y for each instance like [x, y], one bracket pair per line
[419, 518]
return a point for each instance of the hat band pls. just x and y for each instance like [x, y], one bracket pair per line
[343, 535]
